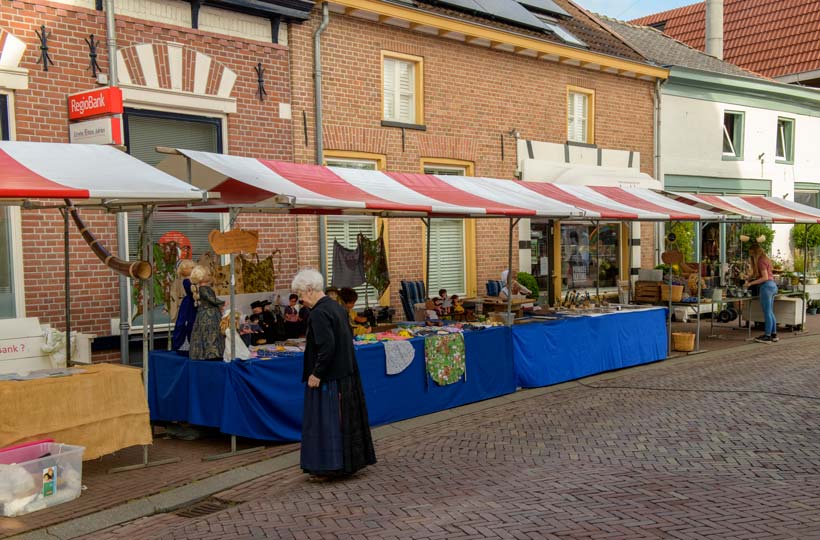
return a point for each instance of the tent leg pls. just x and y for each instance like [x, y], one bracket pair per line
[66, 253]
[429, 223]
[147, 319]
[805, 271]
[513, 223]
[233, 452]
[631, 262]
[598, 262]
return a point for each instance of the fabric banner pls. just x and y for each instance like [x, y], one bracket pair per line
[445, 358]
[348, 270]
[374, 259]
[398, 355]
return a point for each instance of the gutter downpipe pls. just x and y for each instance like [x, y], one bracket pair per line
[122, 223]
[657, 167]
[320, 151]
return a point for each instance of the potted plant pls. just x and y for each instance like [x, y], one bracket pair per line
[812, 307]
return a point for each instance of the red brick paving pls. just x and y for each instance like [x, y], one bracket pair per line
[707, 447]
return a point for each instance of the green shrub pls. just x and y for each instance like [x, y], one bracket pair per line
[753, 230]
[528, 281]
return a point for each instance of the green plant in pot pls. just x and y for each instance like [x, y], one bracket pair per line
[813, 306]
[528, 281]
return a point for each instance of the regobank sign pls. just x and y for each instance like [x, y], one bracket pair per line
[95, 103]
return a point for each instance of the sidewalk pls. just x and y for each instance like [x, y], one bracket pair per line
[116, 498]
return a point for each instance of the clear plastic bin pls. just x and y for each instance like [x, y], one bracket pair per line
[39, 475]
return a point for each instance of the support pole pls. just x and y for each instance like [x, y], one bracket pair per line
[513, 223]
[598, 262]
[805, 273]
[429, 223]
[697, 334]
[66, 255]
[669, 306]
[147, 286]
[631, 262]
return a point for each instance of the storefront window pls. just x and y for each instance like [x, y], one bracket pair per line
[7, 309]
[590, 255]
[144, 131]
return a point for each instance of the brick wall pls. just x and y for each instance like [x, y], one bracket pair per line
[472, 98]
[41, 115]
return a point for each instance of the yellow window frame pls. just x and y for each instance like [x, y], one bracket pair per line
[470, 271]
[590, 113]
[419, 82]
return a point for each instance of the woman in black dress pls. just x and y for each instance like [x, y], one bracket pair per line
[335, 430]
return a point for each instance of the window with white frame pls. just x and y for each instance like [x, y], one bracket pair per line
[401, 92]
[346, 229]
[447, 257]
[785, 140]
[7, 285]
[732, 135]
[579, 116]
[144, 131]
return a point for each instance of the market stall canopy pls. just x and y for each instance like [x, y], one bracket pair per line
[752, 207]
[85, 173]
[299, 188]
[624, 204]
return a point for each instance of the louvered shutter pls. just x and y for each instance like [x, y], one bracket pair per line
[345, 230]
[407, 97]
[389, 89]
[577, 110]
[447, 256]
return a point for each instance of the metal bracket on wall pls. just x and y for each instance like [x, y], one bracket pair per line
[92, 54]
[260, 82]
[43, 35]
[403, 139]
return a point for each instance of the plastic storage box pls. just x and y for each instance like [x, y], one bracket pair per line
[38, 475]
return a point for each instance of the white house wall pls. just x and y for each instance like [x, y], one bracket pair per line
[692, 143]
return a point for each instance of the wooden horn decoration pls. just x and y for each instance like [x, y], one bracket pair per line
[135, 269]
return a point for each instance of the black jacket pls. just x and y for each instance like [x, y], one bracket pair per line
[329, 350]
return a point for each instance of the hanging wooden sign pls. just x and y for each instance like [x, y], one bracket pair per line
[234, 241]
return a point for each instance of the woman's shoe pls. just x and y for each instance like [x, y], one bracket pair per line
[764, 339]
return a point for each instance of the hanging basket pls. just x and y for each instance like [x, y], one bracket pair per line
[677, 292]
[683, 341]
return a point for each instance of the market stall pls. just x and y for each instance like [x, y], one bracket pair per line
[250, 184]
[103, 408]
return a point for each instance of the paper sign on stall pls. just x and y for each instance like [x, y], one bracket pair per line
[234, 241]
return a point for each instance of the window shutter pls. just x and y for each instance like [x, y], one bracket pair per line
[406, 82]
[345, 231]
[577, 117]
[447, 256]
[389, 90]
[145, 133]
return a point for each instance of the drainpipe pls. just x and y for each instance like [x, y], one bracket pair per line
[317, 82]
[659, 232]
[122, 226]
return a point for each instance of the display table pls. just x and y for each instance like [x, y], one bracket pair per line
[103, 409]
[262, 399]
[552, 352]
[788, 310]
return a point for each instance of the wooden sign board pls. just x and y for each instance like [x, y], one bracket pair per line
[235, 241]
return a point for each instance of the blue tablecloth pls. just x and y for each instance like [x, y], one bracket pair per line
[262, 399]
[557, 351]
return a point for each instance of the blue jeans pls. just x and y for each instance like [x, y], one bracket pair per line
[767, 292]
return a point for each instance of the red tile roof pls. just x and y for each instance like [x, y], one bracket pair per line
[770, 37]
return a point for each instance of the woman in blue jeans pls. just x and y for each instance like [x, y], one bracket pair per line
[762, 267]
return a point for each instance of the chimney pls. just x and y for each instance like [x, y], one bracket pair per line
[714, 28]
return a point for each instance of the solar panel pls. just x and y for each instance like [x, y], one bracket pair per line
[565, 35]
[469, 5]
[511, 11]
[547, 6]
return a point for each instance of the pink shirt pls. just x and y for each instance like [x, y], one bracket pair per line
[765, 264]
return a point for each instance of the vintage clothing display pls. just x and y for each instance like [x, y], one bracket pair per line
[445, 358]
[258, 275]
[335, 428]
[185, 317]
[207, 342]
[348, 267]
[374, 261]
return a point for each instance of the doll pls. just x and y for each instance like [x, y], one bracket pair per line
[458, 308]
[186, 313]
[207, 342]
[240, 349]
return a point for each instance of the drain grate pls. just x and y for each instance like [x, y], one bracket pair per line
[204, 507]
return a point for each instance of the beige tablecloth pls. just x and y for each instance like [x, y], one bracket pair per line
[103, 409]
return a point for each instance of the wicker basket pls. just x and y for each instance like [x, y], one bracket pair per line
[683, 341]
[677, 292]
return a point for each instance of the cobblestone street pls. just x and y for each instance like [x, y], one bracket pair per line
[723, 445]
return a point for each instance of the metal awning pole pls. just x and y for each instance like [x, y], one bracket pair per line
[669, 306]
[66, 254]
[513, 223]
[429, 224]
[805, 273]
[697, 334]
[598, 262]
[631, 263]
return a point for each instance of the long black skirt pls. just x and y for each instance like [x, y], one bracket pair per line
[336, 436]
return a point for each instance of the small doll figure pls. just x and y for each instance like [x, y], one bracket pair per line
[292, 317]
[458, 308]
[186, 312]
[446, 303]
[207, 342]
[240, 349]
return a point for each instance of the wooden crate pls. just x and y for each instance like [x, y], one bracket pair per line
[647, 291]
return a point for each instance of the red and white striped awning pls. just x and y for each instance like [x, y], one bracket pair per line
[298, 188]
[31, 170]
[753, 207]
